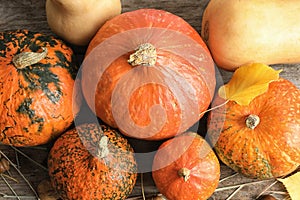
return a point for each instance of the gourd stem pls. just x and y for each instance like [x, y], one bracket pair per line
[184, 173]
[26, 59]
[145, 55]
[103, 150]
[252, 121]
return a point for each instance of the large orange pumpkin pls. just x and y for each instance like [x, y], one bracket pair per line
[37, 75]
[186, 168]
[262, 139]
[92, 162]
[149, 73]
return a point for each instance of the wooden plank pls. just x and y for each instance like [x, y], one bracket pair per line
[19, 14]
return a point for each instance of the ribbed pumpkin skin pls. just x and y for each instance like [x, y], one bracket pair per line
[76, 172]
[272, 149]
[144, 18]
[189, 151]
[36, 101]
[170, 67]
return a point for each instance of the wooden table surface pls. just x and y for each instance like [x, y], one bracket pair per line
[19, 14]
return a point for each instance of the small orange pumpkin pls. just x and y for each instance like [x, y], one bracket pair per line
[186, 168]
[92, 162]
[262, 139]
[148, 73]
[37, 75]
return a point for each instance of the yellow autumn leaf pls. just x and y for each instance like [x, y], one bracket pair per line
[292, 184]
[247, 82]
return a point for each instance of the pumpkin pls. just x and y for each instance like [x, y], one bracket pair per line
[92, 162]
[242, 32]
[259, 138]
[148, 73]
[77, 21]
[37, 74]
[185, 168]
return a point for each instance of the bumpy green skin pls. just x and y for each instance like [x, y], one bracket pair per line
[36, 101]
[77, 173]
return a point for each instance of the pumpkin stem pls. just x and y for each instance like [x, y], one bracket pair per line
[25, 59]
[184, 173]
[252, 121]
[145, 54]
[102, 147]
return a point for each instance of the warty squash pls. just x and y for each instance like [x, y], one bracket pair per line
[37, 74]
[242, 32]
[92, 162]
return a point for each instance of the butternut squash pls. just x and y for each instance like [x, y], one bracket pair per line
[241, 32]
[77, 21]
